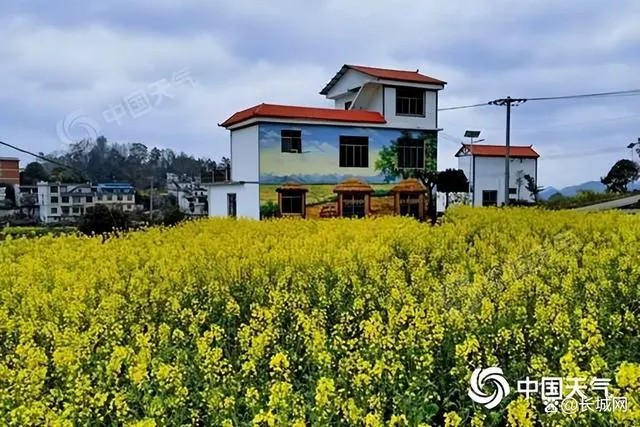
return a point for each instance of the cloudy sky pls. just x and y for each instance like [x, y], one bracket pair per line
[166, 72]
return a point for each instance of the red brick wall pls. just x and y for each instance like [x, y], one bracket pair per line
[9, 172]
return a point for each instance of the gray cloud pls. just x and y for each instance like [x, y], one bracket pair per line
[69, 56]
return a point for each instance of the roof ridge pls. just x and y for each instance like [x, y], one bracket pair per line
[384, 68]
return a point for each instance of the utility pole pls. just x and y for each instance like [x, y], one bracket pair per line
[151, 201]
[508, 102]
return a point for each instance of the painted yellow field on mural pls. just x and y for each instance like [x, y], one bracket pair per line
[336, 322]
[318, 193]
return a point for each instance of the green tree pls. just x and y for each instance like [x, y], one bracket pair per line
[99, 219]
[452, 181]
[623, 173]
[532, 187]
[33, 173]
[387, 164]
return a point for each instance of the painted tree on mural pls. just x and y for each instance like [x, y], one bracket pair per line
[387, 163]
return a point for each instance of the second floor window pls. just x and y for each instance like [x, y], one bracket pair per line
[354, 152]
[54, 199]
[410, 154]
[77, 200]
[65, 199]
[410, 102]
[291, 141]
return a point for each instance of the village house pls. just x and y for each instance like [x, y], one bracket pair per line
[484, 166]
[319, 162]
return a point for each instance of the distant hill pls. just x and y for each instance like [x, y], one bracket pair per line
[595, 186]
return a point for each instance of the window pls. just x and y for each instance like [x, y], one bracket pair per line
[63, 188]
[347, 105]
[119, 198]
[54, 188]
[77, 200]
[129, 197]
[489, 198]
[513, 191]
[76, 210]
[291, 203]
[354, 152]
[410, 205]
[291, 141]
[231, 204]
[109, 197]
[410, 153]
[65, 199]
[99, 197]
[54, 210]
[410, 102]
[353, 205]
[65, 210]
[54, 199]
[89, 199]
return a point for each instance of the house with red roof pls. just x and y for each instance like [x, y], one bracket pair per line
[484, 166]
[287, 159]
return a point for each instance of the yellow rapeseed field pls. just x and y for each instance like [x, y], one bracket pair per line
[336, 322]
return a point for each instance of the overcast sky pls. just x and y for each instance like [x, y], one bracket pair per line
[166, 72]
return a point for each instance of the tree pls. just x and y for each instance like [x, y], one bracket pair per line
[621, 174]
[99, 219]
[172, 215]
[33, 173]
[532, 187]
[452, 181]
[387, 164]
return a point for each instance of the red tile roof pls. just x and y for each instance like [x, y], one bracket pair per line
[485, 150]
[383, 73]
[304, 113]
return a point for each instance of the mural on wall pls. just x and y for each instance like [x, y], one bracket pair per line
[324, 171]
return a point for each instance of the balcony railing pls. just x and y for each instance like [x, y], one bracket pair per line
[219, 175]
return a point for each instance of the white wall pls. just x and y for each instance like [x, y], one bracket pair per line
[350, 80]
[247, 200]
[245, 154]
[489, 175]
[408, 122]
[340, 101]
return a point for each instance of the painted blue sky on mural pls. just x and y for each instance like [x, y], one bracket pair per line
[319, 160]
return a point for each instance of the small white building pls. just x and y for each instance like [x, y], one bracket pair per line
[62, 202]
[484, 164]
[189, 193]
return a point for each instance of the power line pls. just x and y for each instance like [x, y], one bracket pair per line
[464, 106]
[42, 157]
[630, 92]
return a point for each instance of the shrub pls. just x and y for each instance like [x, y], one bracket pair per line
[269, 210]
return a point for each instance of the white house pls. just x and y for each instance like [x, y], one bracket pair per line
[484, 166]
[61, 202]
[279, 151]
[189, 193]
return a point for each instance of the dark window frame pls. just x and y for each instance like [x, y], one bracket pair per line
[290, 201]
[64, 199]
[348, 104]
[410, 205]
[65, 210]
[354, 205]
[353, 151]
[291, 141]
[492, 201]
[411, 153]
[410, 101]
[54, 199]
[232, 205]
